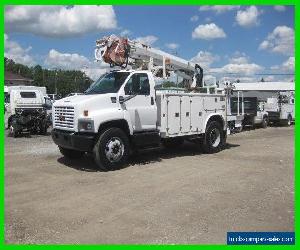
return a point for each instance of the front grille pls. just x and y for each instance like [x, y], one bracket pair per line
[64, 117]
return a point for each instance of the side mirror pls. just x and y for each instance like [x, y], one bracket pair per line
[121, 99]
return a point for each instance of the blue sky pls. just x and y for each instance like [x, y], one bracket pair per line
[247, 40]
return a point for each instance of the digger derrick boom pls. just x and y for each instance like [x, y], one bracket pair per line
[118, 51]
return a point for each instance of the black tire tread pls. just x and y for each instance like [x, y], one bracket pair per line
[205, 146]
[99, 156]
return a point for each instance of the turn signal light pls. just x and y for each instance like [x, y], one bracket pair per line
[86, 113]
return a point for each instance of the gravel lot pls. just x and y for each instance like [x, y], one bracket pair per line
[161, 197]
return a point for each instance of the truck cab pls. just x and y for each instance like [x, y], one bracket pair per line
[121, 111]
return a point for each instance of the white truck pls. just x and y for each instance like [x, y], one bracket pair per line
[25, 111]
[281, 109]
[122, 111]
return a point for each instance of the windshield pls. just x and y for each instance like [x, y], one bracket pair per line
[108, 83]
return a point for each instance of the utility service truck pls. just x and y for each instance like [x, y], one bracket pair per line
[122, 112]
[281, 108]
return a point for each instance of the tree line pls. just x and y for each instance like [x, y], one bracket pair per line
[62, 81]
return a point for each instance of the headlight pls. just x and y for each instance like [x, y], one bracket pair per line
[85, 125]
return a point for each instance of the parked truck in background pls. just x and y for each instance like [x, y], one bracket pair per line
[122, 111]
[253, 109]
[25, 111]
[281, 109]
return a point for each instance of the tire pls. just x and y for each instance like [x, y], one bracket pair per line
[71, 153]
[172, 142]
[111, 150]
[289, 121]
[43, 129]
[214, 139]
[265, 122]
[13, 132]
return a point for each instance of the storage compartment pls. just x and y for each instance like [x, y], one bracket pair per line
[185, 114]
[196, 114]
[173, 114]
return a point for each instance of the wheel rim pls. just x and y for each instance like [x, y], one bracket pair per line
[289, 121]
[215, 137]
[265, 122]
[114, 149]
[11, 130]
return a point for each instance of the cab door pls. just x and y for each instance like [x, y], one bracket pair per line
[140, 102]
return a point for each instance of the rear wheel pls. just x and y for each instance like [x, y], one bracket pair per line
[13, 131]
[264, 123]
[289, 121]
[71, 153]
[214, 139]
[111, 150]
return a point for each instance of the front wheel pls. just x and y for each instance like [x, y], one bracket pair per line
[71, 153]
[214, 139]
[264, 123]
[111, 150]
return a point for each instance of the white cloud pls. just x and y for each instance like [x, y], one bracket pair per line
[235, 78]
[287, 66]
[208, 32]
[279, 8]
[68, 61]
[269, 78]
[281, 40]
[172, 45]
[242, 69]
[148, 40]
[59, 21]
[14, 51]
[239, 60]
[205, 59]
[248, 17]
[56, 59]
[125, 33]
[218, 8]
[194, 18]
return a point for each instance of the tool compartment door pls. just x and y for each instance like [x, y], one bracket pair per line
[197, 114]
[173, 113]
[185, 114]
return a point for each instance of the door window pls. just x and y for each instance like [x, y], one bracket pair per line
[7, 98]
[138, 84]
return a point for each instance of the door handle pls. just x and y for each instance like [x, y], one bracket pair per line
[152, 100]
